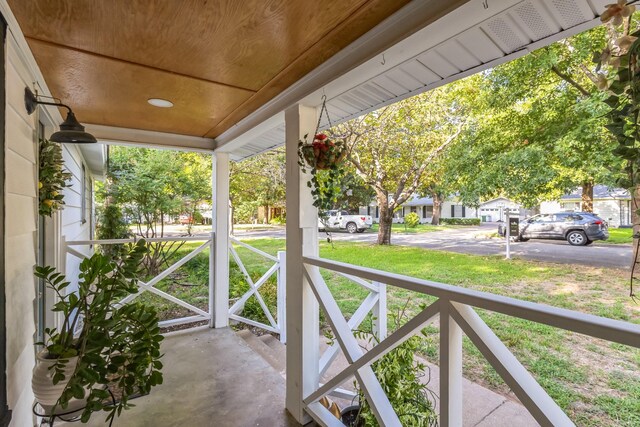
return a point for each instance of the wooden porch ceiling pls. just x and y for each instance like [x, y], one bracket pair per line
[216, 60]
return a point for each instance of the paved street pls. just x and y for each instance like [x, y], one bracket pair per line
[469, 240]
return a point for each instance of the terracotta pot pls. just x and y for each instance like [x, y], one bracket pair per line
[47, 393]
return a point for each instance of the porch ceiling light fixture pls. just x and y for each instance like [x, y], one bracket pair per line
[71, 131]
[159, 102]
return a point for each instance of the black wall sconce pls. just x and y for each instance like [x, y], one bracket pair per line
[71, 131]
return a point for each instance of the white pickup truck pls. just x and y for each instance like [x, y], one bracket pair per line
[342, 220]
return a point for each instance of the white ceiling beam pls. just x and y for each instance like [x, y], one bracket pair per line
[149, 139]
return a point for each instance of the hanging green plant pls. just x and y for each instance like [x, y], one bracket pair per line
[324, 159]
[52, 178]
[618, 76]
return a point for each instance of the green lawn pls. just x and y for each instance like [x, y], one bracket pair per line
[596, 382]
[618, 236]
[420, 228]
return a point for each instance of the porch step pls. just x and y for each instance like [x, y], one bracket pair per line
[269, 348]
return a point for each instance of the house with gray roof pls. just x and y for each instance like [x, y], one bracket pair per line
[611, 204]
[423, 206]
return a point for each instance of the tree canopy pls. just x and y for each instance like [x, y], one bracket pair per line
[536, 127]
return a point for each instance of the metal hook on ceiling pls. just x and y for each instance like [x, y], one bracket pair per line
[384, 61]
[485, 4]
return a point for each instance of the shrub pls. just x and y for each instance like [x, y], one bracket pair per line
[197, 217]
[412, 220]
[460, 221]
[111, 225]
[278, 220]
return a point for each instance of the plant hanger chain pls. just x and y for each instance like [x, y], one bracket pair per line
[323, 109]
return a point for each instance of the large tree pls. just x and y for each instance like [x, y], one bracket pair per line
[258, 181]
[537, 128]
[152, 185]
[392, 148]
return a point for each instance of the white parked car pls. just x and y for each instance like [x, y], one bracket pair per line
[342, 220]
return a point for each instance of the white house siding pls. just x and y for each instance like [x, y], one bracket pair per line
[550, 207]
[21, 228]
[75, 225]
[425, 212]
[459, 211]
[495, 209]
[614, 211]
[21, 237]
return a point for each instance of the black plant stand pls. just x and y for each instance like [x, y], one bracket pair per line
[69, 417]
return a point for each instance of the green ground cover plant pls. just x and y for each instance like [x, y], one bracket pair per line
[619, 236]
[420, 228]
[460, 221]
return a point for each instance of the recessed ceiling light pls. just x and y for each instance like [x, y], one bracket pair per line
[159, 102]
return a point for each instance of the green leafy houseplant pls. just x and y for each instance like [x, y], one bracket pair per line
[399, 375]
[618, 76]
[324, 159]
[113, 344]
[52, 178]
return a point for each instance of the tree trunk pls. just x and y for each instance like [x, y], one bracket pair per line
[386, 220]
[437, 209]
[635, 221]
[587, 196]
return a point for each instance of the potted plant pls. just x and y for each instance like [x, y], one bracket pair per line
[52, 178]
[399, 374]
[100, 343]
[323, 158]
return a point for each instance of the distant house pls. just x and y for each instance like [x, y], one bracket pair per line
[423, 206]
[495, 209]
[611, 204]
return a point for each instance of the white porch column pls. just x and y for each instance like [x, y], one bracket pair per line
[220, 224]
[302, 321]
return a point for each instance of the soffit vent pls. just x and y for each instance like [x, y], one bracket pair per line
[572, 12]
[533, 20]
[503, 30]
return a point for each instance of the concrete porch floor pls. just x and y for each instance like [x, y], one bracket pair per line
[214, 377]
[211, 378]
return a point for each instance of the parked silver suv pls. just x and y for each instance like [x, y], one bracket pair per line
[578, 228]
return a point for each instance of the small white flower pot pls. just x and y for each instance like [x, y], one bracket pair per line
[47, 393]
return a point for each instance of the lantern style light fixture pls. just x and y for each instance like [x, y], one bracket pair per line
[71, 131]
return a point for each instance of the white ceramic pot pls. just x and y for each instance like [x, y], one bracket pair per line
[47, 393]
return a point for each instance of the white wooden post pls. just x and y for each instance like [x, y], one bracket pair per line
[507, 233]
[282, 295]
[212, 272]
[450, 369]
[380, 312]
[220, 214]
[302, 239]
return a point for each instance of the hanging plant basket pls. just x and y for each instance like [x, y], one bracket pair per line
[52, 178]
[323, 157]
[323, 153]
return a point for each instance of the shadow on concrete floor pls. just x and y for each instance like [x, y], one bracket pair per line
[211, 378]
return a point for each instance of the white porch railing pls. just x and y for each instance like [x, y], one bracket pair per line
[455, 309]
[276, 325]
[149, 286]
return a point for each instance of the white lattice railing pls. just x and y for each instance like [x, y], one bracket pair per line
[455, 307]
[149, 286]
[276, 325]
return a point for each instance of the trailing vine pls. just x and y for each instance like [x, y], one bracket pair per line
[618, 74]
[52, 178]
[323, 158]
